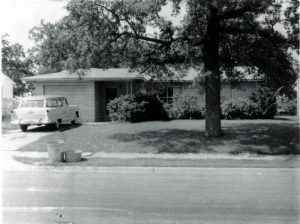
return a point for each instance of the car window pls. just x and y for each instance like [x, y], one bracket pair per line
[32, 103]
[51, 103]
[65, 101]
[59, 102]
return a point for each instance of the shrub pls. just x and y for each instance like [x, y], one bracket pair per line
[260, 105]
[240, 108]
[286, 106]
[266, 102]
[153, 109]
[187, 107]
[120, 108]
[141, 107]
[7, 106]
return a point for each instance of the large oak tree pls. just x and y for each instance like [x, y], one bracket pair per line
[214, 36]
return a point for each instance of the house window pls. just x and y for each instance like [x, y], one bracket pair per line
[166, 95]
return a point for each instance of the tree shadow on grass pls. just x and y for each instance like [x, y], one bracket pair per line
[267, 139]
[263, 139]
[174, 140]
[49, 128]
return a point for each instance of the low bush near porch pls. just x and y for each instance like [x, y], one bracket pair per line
[141, 107]
[187, 107]
[240, 108]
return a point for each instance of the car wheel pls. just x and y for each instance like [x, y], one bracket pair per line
[24, 127]
[57, 126]
[54, 126]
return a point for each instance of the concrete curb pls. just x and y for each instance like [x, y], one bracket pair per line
[167, 156]
[10, 164]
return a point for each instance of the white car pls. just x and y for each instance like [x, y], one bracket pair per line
[48, 110]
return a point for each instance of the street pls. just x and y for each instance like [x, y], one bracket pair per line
[147, 195]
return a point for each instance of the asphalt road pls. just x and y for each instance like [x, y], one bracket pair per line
[144, 195]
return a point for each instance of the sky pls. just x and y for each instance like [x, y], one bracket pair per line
[17, 17]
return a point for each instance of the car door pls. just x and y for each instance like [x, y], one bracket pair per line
[61, 110]
[69, 113]
[54, 112]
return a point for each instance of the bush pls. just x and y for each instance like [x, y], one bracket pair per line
[120, 108]
[186, 107]
[286, 106]
[153, 109]
[7, 106]
[266, 102]
[240, 108]
[260, 105]
[141, 107]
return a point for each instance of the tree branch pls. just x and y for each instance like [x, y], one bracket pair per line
[168, 60]
[134, 34]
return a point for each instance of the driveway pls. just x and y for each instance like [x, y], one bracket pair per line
[14, 139]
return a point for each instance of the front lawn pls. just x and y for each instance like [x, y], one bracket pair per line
[265, 137]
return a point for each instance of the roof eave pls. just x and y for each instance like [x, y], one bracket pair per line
[77, 79]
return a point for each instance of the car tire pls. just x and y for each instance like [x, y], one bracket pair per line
[57, 125]
[24, 127]
[54, 126]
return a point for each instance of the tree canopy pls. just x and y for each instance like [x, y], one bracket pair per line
[213, 36]
[16, 65]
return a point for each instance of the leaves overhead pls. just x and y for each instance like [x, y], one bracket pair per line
[136, 34]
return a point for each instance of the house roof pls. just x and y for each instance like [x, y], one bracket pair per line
[112, 74]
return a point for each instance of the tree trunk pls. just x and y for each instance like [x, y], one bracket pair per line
[212, 80]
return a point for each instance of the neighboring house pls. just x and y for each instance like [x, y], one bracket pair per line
[7, 86]
[97, 87]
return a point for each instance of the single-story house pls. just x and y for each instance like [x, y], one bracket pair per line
[92, 91]
[7, 86]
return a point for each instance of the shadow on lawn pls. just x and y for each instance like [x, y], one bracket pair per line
[45, 162]
[263, 139]
[48, 128]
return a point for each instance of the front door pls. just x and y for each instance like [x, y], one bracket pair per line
[110, 94]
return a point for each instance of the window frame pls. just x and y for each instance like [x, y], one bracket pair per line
[33, 104]
[53, 100]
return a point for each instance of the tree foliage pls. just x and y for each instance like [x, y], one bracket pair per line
[16, 65]
[213, 36]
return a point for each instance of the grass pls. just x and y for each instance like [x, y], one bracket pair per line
[263, 137]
